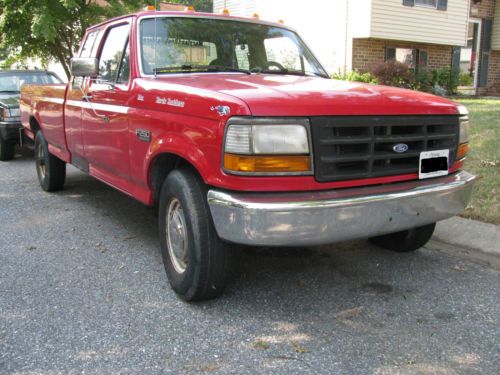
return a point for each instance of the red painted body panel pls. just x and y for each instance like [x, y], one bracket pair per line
[194, 130]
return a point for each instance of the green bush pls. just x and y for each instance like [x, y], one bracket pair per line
[447, 79]
[394, 73]
[355, 76]
[465, 79]
[444, 81]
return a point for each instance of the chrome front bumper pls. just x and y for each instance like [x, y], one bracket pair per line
[315, 218]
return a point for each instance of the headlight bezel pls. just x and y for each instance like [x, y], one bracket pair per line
[275, 122]
[463, 132]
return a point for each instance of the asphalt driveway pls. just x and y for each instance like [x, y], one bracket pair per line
[83, 290]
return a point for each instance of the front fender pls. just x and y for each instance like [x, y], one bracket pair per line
[183, 147]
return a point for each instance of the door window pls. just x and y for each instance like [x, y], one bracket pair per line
[89, 43]
[113, 54]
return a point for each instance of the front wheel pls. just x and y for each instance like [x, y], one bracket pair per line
[196, 260]
[51, 170]
[406, 240]
[7, 149]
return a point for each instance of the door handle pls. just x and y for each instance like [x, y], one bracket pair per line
[87, 97]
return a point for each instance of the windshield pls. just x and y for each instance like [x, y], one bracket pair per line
[12, 82]
[205, 45]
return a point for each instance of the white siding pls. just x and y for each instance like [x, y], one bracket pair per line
[495, 41]
[240, 8]
[392, 20]
[359, 19]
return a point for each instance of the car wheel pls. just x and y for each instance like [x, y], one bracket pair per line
[7, 149]
[406, 240]
[51, 170]
[196, 260]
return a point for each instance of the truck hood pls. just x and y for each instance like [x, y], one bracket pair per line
[10, 100]
[287, 95]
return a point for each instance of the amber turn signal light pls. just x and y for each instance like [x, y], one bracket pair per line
[267, 164]
[463, 149]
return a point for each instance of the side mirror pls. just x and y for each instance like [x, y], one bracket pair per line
[84, 67]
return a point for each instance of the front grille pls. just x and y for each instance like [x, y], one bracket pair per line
[357, 147]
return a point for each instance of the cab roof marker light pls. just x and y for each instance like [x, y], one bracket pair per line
[225, 12]
[149, 8]
[189, 8]
[281, 21]
[255, 15]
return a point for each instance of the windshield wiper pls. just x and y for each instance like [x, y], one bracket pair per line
[290, 72]
[228, 69]
[191, 68]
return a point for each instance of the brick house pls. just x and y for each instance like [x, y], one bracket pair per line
[425, 34]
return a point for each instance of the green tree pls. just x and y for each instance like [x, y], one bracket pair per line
[52, 29]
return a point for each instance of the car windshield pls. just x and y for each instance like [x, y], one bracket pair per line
[184, 44]
[12, 82]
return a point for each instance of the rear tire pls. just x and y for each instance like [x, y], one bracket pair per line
[51, 170]
[406, 240]
[7, 149]
[196, 260]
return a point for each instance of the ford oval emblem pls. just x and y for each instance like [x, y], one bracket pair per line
[400, 148]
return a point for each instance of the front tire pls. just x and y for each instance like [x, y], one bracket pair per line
[196, 260]
[7, 149]
[406, 240]
[51, 170]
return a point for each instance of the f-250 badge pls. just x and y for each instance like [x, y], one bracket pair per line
[143, 135]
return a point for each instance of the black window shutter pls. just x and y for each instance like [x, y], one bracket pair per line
[409, 3]
[485, 55]
[488, 25]
[455, 58]
[422, 59]
[442, 4]
[390, 53]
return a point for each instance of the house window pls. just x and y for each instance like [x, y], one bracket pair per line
[434, 4]
[416, 59]
[426, 3]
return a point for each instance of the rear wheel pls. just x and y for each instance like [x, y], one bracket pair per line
[51, 170]
[7, 149]
[406, 240]
[196, 260]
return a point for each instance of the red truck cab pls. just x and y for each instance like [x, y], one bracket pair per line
[235, 130]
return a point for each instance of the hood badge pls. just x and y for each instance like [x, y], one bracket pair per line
[400, 148]
[171, 102]
[222, 110]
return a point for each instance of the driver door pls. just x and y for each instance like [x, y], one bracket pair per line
[105, 114]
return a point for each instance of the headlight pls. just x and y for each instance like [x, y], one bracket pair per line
[7, 114]
[463, 139]
[464, 130]
[14, 112]
[267, 146]
[4, 113]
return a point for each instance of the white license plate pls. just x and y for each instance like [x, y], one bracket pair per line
[433, 163]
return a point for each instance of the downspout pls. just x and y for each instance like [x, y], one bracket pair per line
[346, 31]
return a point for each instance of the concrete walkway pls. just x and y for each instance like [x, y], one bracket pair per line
[469, 234]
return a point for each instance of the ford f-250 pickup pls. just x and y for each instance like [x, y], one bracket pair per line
[235, 131]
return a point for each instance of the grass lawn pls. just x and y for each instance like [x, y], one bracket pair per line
[484, 158]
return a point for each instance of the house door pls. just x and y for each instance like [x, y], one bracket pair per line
[469, 58]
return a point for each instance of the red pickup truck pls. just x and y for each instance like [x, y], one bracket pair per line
[235, 131]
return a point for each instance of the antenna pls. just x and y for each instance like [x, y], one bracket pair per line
[154, 43]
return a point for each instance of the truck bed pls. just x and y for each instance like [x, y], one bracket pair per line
[46, 104]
